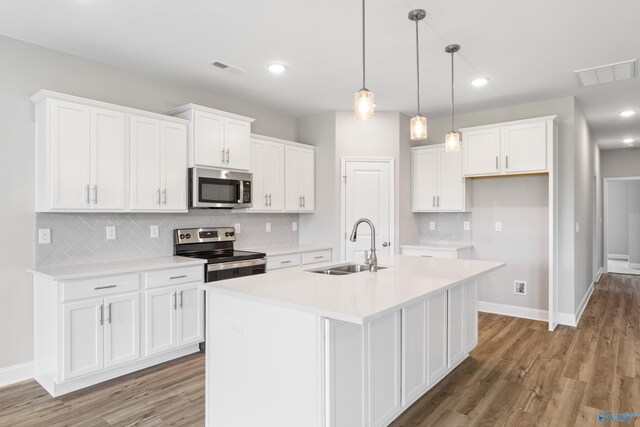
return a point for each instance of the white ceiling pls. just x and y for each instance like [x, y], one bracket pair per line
[529, 50]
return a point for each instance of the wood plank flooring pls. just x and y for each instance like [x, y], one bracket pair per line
[519, 375]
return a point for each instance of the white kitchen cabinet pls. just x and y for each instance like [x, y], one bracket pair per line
[297, 256]
[437, 250]
[523, 146]
[471, 315]
[456, 351]
[437, 336]
[108, 154]
[122, 327]
[415, 380]
[216, 138]
[83, 351]
[437, 180]
[189, 315]
[299, 179]
[158, 171]
[267, 167]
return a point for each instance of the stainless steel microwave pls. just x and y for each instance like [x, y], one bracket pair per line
[219, 188]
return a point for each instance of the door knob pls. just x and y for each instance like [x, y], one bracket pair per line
[385, 244]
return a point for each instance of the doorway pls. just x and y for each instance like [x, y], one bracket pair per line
[622, 225]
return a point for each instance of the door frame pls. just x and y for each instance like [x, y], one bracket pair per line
[605, 205]
[343, 198]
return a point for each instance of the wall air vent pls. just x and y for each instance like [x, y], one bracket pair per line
[619, 71]
[226, 67]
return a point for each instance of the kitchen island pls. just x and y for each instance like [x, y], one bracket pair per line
[298, 348]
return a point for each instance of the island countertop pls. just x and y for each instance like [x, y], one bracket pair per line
[357, 297]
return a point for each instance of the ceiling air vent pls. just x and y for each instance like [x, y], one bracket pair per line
[607, 73]
[227, 67]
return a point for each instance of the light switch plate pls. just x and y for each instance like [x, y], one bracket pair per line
[577, 227]
[466, 225]
[111, 232]
[237, 228]
[432, 225]
[44, 236]
[154, 231]
[268, 227]
[498, 226]
[294, 226]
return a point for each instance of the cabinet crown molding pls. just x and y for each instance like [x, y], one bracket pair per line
[511, 123]
[282, 141]
[189, 107]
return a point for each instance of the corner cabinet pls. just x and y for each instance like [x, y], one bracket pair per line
[437, 180]
[216, 138]
[519, 147]
[83, 150]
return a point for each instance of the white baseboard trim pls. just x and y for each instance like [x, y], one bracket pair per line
[618, 256]
[600, 273]
[634, 265]
[566, 319]
[513, 311]
[16, 373]
[584, 302]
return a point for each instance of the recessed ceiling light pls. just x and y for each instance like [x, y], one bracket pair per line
[627, 113]
[276, 68]
[480, 81]
[628, 140]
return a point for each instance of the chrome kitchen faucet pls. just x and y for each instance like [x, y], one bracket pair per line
[369, 259]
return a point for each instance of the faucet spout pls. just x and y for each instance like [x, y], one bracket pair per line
[371, 257]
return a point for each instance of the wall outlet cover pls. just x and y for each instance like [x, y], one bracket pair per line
[498, 226]
[466, 225]
[294, 226]
[44, 236]
[154, 231]
[268, 227]
[520, 287]
[111, 233]
[432, 225]
[237, 228]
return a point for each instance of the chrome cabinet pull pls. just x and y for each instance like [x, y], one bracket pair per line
[158, 193]
[266, 203]
[438, 201]
[507, 161]
[175, 300]
[497, 163]
[109, 313]
[285, 262]
[318, 257]
[101, 315]
[105, 287]
[433, 201]
[180, 299]
[164, 197]
[177, 277]
[86, 189]
[304, 201]
[95, 194]
[227, 156]
[222, 158]
[300, 201]
[269, 199]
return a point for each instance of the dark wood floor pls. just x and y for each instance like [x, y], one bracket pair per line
[519, 375]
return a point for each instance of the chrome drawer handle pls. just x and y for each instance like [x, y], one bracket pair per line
[285, 262]
[105, 287]
[319, 257]
[177, 277]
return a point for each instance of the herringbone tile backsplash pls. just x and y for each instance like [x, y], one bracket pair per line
[80, 238]
[449, 228]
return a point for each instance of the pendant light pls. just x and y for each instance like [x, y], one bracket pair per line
[452, 140]
[418, 122]
[364, 98]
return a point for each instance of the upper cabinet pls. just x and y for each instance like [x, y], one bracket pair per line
[438, 183]
[300, 179]
[523, 146]
[83, 148]
[216, 138]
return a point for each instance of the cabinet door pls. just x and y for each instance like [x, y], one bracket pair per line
[208, 139]
[307, 179]
[190, 322]
[145, 150]
[108, 145]
[384, 369]
[274, 176]
[414, 351]
[173, 166]
[237, 137]
[259, 187]
[70, 155]
[450, 195]
[456, 325]
[481, 151]
[160, 320]
[471, 315]
[122, 323]
[83, 337]
[524, 148]
[424, 180]
[437, 336]
[293, 189]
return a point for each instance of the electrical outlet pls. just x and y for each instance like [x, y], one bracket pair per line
[498, 226]
[268, 227]
[44, 236]
[466, 225]
[520, 287]
[154, 231]
[237, 228]
[432, 225]
[111, 233]
[577, 227]
[294, 226]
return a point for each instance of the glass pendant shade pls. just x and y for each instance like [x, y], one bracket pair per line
[363, 105]
[418, 128]
[452, 142]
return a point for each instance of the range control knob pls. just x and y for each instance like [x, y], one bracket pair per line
[227, 234]
[188, 236]
[232, 234]
[181, 236]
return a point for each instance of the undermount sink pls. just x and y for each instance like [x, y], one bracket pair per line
[343, 269]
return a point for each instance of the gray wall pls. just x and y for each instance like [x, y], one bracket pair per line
[26, 69]
[617, 218]
[620, 163]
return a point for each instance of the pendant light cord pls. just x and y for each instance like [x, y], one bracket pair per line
[363, 46]
[418, 65]
[452, 92]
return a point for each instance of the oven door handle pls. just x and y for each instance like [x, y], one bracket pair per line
[237, 264]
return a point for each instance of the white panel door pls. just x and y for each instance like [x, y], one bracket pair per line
[145, 151]
[83, 337]
[307, 179]
[424, 179]
[70, 155]
[437, 336]
[237, 138]
[481, 151]
[274, 176]
[160, 320]
[524, 147]
[456, 325]
[471, 315]
[258, 161]
[368, 195]
[344, 381]
[414, 351]
[173, 166]
[293, 188]
[190, 321]
[121, 332]
[450, 195]
[108, 147]
[208, 139]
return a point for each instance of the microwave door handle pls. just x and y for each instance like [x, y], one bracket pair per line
[241, 187]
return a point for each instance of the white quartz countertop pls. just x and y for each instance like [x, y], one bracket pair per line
[287, 249]
[439, 246]
[355, 297]
[81, 271]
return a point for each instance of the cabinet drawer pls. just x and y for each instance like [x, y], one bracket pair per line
[434, 253]
[173, 276]
[283, 261]
[316, 257]
[99, 286]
